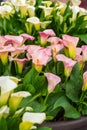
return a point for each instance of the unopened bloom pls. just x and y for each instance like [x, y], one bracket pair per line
[53, 80]
[84, 52]
[84, 87]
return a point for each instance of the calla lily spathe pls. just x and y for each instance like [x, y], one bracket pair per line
[7, 84]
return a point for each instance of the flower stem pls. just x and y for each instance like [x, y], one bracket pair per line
[46, 98]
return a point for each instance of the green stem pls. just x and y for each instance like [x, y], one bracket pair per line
[55, 63]
[82, 96]
[33, 98]
[46, 98]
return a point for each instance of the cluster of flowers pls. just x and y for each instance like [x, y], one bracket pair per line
[47, 57]
[31, 16]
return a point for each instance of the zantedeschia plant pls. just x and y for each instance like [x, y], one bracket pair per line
[43, 72]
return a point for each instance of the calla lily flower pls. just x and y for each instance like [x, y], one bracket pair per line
[41, 58]
[53, 80]
[19, 64]
[31, 2]
[54, 40]
[47, 3]
[70, 44]
[7, 84]
[22, 9]
[14, 40]
[2, 40]
[27, 37]
[26, 125]
[68, 63]
[76, 2]
[84, 52]
[14, 2]
[31, 11]
[4, 111]
[71, 39]
[32, 21]
[16, 98]
[84, 87]
[19, 50]
[35, 118]
[44, 24]
[47, 10]
[6, 11]
[45, 34]
[32, 49]
[56, 48]
[4, 50]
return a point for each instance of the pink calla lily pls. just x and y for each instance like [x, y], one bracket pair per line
[41, 57]
[84, 87]
[53, 80]
[14, 40]
[54, 40]
[19, 63]
[72, 39]
[45, 34]
[84, 52]
[27, 37]
[19, 50]
[4, 50]
[68, 63]
[56, 48]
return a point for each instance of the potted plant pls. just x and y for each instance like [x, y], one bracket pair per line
[43, 76]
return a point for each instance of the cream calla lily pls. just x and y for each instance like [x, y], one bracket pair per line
[16, 98]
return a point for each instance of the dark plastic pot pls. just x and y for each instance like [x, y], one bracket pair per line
[80, 124]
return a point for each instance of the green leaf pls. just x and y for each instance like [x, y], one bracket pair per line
[40, 84]
[72, 91]
[30, 76]
[83, 37]
[3, 124]
[70, 111]
[44, 128]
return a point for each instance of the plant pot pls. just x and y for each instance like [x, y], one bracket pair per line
[79, 124]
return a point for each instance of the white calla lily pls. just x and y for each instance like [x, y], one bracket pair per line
[7, 84]
[76, 2]
[4, 111]
[35, 118]
[31, 11]
[47, 10]
[32, 21]
[23, 9]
